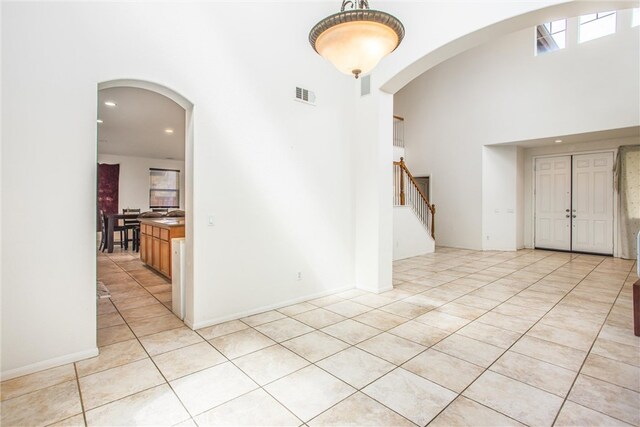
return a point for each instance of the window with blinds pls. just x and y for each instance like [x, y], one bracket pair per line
[164, 188]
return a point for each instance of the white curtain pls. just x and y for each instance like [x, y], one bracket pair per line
[628, 182]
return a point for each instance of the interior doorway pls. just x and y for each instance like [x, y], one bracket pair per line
[146, 130]
[574, 203]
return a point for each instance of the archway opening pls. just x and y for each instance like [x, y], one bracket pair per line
[144, 209]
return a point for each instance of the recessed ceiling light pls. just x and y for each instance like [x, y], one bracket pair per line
[100, 121]
[110, 104]
[558, 141]
[168, 130]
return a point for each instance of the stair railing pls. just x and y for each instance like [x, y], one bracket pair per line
[407, 192]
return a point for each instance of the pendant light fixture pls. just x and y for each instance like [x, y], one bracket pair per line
[356, 40]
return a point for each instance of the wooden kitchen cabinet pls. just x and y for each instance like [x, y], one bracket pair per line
[155, 242]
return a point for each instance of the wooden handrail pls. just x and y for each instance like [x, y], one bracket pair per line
[431, 208]
[412, 179]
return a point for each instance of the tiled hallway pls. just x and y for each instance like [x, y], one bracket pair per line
[465, 338]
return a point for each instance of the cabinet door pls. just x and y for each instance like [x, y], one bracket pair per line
[155, 262]
[143, 247]
[149, 243]
[165, 258]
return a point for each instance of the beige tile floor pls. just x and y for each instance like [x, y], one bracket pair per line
[465, 338]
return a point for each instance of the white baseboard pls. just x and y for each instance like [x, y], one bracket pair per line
[46, 364]
[189, 322]
[375, 291]
[215, 321]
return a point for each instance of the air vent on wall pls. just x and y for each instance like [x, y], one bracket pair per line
[365, 85]
[305, 95]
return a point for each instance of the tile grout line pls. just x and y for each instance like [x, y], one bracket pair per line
[354, 345]
[522, 335]
[395, 367]
[260, 387]
[382, 331]
[399, 366]
[84, 415]
[137, 281]
[148, 356]
[310, 363]
[356, 320]
[587, 356]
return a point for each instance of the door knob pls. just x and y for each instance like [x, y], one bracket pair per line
[568, 216]
[567, 210]
[573, 216]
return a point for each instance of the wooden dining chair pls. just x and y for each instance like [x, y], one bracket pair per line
[103, 232]
[124, 238]
[131, 225]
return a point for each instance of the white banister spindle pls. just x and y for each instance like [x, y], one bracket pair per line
[406, 192]
[398, 131]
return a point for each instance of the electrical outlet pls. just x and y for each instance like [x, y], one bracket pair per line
[299, 275]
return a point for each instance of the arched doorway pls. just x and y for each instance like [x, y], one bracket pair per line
[155, 136]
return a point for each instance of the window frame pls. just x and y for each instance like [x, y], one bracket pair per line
[598, 16]
[546, 37]
[175, 190]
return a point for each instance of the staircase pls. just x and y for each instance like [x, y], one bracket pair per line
[413, 216]
[407, 192]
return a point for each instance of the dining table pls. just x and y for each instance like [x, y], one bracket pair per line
[112, 220]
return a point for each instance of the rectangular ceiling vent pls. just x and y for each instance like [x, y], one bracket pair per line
[305, 95]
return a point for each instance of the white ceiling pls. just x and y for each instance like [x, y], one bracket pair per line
[136, 125]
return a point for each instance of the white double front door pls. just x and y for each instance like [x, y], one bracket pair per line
[574, 203]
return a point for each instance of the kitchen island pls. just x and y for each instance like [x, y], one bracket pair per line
[155, 242]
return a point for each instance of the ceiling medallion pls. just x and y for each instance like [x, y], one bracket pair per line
[356, 40]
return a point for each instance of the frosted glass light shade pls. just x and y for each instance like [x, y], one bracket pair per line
[355, 41]
[356, 47]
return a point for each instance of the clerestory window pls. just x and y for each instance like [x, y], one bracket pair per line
[596, 25]
[551, 36]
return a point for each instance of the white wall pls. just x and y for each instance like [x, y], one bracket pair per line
[499, 198]
[520, 195]
[275, 174]
[398, 152]
[559, 149]
[134, 179]
[500, 92]
[410, 237]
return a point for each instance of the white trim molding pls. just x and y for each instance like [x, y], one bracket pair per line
[50, 363]
[242, 314]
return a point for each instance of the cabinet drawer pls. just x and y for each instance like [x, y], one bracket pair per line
[164, 234]
[156, 231]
